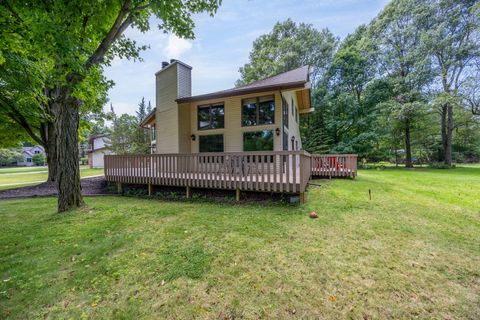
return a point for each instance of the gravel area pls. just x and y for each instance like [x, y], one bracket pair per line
[90, 186]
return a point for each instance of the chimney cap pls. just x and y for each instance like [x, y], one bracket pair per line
[164, 64]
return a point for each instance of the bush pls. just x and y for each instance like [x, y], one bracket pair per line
[374, 165]
[440, 165]
[38, 159]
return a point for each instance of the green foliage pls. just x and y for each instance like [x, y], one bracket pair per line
[39, 159]
[378, 92]
[115, 257]
[440, 165]
[289, 46]
[10, 156]
[126, 135]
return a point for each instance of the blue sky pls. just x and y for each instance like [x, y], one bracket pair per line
[222, 43]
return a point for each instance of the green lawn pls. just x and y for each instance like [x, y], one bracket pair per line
[20, 177]
[413, 251]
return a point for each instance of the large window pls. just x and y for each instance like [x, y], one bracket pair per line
[211, 116]
[257, 111]
[211, 143]
[258, 141]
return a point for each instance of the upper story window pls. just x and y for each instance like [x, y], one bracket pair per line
[258, 111]
[285, 112]
[211, 116]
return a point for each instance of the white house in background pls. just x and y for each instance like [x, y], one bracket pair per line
[98, 147]
[28, 153]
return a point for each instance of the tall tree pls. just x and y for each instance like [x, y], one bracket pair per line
[452, 39]
[289, 46]
[78, 38]
[399, 50]
[142, 110]
[149, 107]
[126, 135]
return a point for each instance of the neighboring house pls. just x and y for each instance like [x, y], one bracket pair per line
[261, 116]
[28, 153]
[98, 147]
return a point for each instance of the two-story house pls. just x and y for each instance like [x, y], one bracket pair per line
[98, 147]
[261, 116]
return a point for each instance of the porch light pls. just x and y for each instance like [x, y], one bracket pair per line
[193, 137]
[277, 131]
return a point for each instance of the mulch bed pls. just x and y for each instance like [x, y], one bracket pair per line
[90, 186]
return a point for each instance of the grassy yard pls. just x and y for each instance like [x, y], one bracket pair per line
[24, 176]
[413, 251]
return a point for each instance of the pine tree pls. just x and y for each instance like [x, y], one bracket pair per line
[142, 110]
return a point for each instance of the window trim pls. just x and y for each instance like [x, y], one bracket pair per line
[257, 111]
[210, 105]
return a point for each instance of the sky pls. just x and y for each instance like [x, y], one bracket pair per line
[222, 43]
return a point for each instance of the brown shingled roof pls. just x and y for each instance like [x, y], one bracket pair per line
[286, 80]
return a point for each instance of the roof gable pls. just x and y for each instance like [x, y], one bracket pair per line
[290, 79]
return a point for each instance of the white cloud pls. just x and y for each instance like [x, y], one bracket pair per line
[176, 46]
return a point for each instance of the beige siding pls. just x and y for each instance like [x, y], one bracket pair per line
[184, 133]
[233, 131]
[166, 88]
[293, 126]
[176, 123]
[172, 124]
[167, 131]
[184, 81]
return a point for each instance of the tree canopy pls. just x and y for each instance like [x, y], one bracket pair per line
[403, 88]
[61, 48]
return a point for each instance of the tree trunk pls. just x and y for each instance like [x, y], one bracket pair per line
[51, 151]
[443, 124]
[408, 147]
[447, 157]
[68, 176]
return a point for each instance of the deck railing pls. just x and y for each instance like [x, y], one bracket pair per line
[276, 171]
[334, 165]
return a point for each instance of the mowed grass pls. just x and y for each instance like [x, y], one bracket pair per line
[20, 177]
[413, 251]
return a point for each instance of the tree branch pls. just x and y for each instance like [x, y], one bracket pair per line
[16, 116]
[122, 21]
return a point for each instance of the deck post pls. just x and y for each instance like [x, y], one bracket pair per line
[189, 192]
[237, 194]
[119, 188]
[303, 197]
[150, 189]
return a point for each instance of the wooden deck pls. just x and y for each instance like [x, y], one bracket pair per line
[334, 165]
[277, 171]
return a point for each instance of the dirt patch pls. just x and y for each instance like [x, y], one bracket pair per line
[90, 186]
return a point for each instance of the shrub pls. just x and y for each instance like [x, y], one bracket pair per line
[38, 159]
[440, 165]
